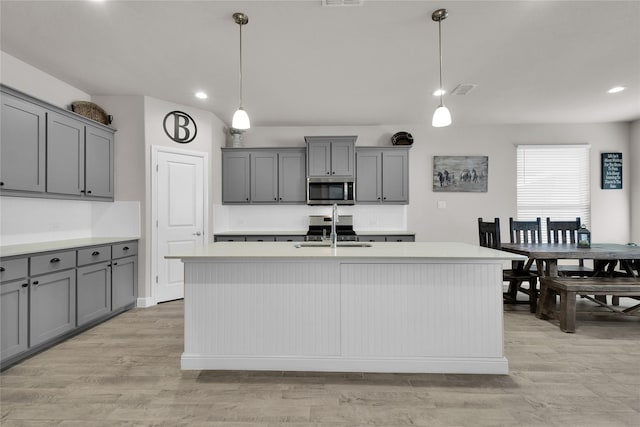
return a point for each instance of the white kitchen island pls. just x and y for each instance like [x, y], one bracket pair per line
[390, 307]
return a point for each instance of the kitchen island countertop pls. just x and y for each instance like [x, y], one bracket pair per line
[373, 250]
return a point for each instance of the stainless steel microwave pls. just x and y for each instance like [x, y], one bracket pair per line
[327, 191]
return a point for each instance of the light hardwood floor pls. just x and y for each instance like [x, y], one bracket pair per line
[126, 372]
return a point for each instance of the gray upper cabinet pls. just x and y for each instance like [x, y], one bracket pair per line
[330, 156]
[291, 176]
[53, 153]
[235, 176]
[23, 149]
[263, 176]
[382, 175]
[98, 162]
[65, 155]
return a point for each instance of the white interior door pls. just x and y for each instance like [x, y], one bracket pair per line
[180, 197]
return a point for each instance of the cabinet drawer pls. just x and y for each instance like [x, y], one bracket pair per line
[401, 238]
[12, 269]
[296, 238]
[93, 255]
[261, 238]
[121, 250]
[54, 261]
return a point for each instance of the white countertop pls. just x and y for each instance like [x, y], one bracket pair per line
[391, 250]
[56, 245]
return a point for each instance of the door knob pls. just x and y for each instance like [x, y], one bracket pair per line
[197, 234]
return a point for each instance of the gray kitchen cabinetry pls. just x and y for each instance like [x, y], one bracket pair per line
[50, 152]
[79, 158]
[124, 275]
[23, 148]
[235, 176]
[263, 176]
[94, 284]
[386, 238]
[48, 296]
[14, 308]
[52, 306]
[330, 156]
[382, 175]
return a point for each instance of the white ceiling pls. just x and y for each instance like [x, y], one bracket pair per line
[304, 64]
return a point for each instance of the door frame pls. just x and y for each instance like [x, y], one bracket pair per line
[155, 150]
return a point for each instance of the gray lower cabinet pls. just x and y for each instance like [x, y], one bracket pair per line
[23, 147]
[94, 292]
[263, 176]
[48, 296]
[386, 238]
[14, 309]
[382, 175]
[124, 282]
[218, 238]
[52, 306]
[50, 152]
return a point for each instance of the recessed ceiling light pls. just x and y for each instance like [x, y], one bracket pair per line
[616, 89]
[201, 95]
[439, 92]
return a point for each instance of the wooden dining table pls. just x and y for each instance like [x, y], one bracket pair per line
[604, 255]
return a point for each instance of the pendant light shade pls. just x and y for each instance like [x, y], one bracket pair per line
[442, 116]
[240, 118]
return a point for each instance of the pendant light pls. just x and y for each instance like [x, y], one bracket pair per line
[442, 116]
[240, 117]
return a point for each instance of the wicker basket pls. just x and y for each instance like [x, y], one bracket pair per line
[91, 111]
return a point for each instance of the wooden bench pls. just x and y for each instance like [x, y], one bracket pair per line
[569, 288]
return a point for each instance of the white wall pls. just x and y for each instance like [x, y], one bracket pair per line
[610, 209]
[30, 80]
[631, 163]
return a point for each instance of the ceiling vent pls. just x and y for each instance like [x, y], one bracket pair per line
[342, 2]
[463, 89]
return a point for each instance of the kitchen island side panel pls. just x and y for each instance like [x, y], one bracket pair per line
[332, 315]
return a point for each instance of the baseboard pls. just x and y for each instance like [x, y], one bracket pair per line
[145, 302]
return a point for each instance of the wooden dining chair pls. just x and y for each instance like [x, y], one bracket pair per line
[566, 232]
[489, 237]
[525, 231]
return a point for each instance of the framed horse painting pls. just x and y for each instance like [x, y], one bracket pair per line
[460, 173]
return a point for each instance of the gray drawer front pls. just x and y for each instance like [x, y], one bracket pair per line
[122, 250]
[12, 269]
[401, 238]
[54, 261]
[292, 238]
[261, 238]
[93, 255]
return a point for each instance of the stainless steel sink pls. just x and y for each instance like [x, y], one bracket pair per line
[328, 245]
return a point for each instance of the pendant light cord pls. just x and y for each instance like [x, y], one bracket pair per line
[440, 51]
[241, 65]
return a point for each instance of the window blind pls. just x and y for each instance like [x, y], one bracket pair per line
[553, 181]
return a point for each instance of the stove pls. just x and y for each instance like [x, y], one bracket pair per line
[320, 226]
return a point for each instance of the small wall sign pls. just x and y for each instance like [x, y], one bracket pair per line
[180, 127]
[611, 171]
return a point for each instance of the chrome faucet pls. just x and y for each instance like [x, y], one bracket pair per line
[334, 221]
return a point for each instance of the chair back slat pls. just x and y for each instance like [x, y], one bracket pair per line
[525, 231]
[489, 233]
[562, 231]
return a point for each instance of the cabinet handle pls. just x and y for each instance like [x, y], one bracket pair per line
[328, 173]
[54, 260]
[82, 191]
[95, 253]
[280, 198]
[89, 192]
[24, 285]
[333, 173]
[115, 263]
[247, 199]
[378, 198]
[36, 283]
[1, 184]
[126, 248]
[1, 269]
